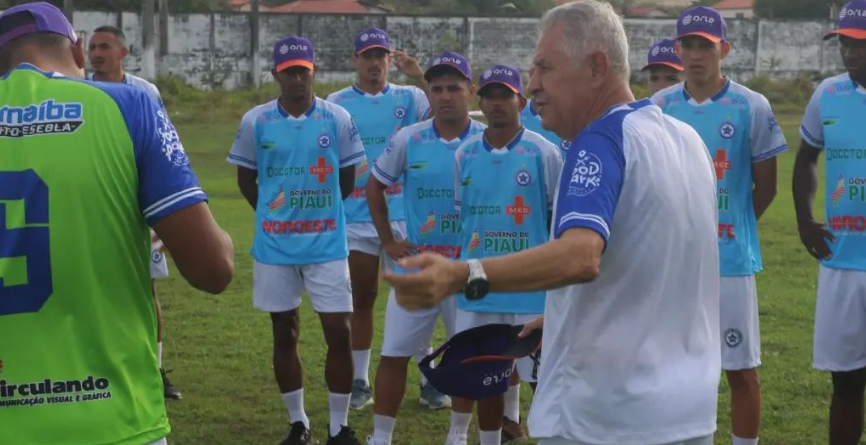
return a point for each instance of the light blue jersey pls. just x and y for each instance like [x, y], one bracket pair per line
[379, 117]
[299, 214]
[427, 160]
[834, 122]
[532, 121]
[504, 196]
[739, 129]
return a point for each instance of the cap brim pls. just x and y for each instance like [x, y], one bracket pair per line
[854, 33]
[437, 69]
[498, 82]
[520, 348]
[368, 48]
[708, 36]
[290, 63]
[668, 64]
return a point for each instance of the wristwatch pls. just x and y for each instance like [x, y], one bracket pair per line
[477, 286]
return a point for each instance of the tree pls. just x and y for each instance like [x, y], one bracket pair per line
[799, 9]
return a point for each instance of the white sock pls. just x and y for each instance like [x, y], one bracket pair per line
[159, 354]
[420, 356]
[339, 404]
[491, 437]
[740, 441]
[383, 428]
[362, 364]
[460, 423]
[512, 403]
[295, 404]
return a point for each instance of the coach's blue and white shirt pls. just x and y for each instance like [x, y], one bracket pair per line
[740, 129]
[299, 214]
[379, 117]
[834, 122]
[634, 357]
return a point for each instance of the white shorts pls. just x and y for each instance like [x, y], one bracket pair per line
[840, 320]
[158, 264]
[363, 237]
[527, 367]
[277, 288]
[741, 337]
[409, 332]
[706, 440]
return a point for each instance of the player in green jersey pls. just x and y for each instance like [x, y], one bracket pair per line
[84, 169]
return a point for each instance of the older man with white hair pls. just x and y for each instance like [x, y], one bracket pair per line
[631, 331]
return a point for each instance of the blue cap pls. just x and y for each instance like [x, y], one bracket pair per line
[453, 60]
[294, 51]
[851, 22]
[46, 18]
[372, 38]
[704, 22]
[504, 75]
[663, 52]
[477, 363]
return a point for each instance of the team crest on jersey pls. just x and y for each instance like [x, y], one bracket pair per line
[733, 338]
[586, 175]
[324, 141]
[565, 145]
[155, 256]
[399, 112]
[727, 130]
[171, 145]
[523, 178]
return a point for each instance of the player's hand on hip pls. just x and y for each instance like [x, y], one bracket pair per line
[407, 64]
[399, 249]
[814, 236]
[436, 279]
[533, 325]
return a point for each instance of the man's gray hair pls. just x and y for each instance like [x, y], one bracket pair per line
[589, 26]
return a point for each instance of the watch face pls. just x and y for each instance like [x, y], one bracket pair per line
[476, 289]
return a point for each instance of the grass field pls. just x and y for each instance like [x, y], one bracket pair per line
[219, 347]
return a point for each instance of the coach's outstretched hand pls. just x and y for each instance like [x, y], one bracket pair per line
[436, 279]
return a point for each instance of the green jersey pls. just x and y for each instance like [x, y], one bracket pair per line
[84, 168]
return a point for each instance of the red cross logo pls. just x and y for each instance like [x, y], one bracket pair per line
[321, 169]
[721, 163]
[518, 210]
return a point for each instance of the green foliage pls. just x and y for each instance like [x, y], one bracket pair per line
[784, 94]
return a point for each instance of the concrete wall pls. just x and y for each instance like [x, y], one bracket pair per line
[213, 50]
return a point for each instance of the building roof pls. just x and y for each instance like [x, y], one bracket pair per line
[735, 4]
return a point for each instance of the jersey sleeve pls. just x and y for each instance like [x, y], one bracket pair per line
[167, 184]
[552, 159]
[154, 91]
[811, 129]
[421, 104]
[767, 138]
[590, 185]
[389, 167]
[351, 148]
[243, 151]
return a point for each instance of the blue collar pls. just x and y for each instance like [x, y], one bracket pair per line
[717, 96]
[511, 144]
[286, 114]
[462, 135]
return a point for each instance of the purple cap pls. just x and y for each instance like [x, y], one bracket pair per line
[453, 60]
[372, 38]
[294, 51]
[704, 22]
[477, 363]
[663, 52]
[504, 75]
[851, 22]
[46, 18]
